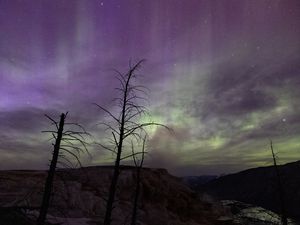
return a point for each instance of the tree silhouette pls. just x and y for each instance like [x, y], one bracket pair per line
[279, 187]
[138, 165]
[66, 142]
[124, 126]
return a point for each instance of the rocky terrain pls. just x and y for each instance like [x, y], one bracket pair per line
[79, 198]
[258, 187]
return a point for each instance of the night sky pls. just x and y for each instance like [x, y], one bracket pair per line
[224, 75]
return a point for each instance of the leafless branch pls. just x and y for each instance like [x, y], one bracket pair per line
[108, 112]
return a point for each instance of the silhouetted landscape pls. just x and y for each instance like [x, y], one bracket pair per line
[79, 197]
[82, 194]
[149, 112]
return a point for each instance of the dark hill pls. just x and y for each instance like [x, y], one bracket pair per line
[258, 186]
[79, 198]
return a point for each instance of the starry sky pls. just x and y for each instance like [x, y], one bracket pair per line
[224, 75]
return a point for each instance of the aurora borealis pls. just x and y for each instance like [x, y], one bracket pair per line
[224, 75]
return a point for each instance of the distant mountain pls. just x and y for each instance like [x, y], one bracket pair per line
[79, 198]
[258, 187]
[196, 182]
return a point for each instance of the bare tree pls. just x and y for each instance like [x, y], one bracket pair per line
[126, 125]
[66, 142]
[138, 165]
[279, 187]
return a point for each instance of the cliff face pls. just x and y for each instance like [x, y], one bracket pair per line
[259, 187]
[79, 195]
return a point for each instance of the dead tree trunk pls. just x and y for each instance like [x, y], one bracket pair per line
[113, 188]
[114, 182]
[67, 143]
[280, 188]
[124, 126]
[49, 182]
[139, 166]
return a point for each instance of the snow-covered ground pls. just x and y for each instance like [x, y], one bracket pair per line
[246, 214]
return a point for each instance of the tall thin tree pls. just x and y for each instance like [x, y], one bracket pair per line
[279, 188]
[65, 142]
[126, 126]
[138, 165]
[51, 171]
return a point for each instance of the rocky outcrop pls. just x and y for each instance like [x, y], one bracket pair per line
[79, 195]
